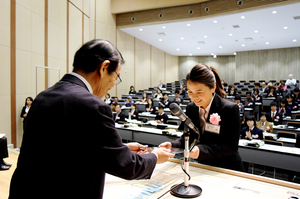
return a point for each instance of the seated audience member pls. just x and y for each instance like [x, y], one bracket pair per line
[282, 86]
[274, 116]
[283, 109]
[237, 100]
[128, 101]
[178, 99]
[158, 94]
[3, 154]
[120, 116]
[132, 90]
[272, 92]
[264, 88]
[144, 98]
[113, 106]
[291, 103]
[232, 91]
[107, 99]
[182, 90]
[257, 86]
[263, 124]
[226, 88]
[133, 112]
[161, 117]
[278, 90]
[251, 131]
[150, 108]
[115, 101]
[296, 95]
[161, 85]
[291, 81]
[256, 96]
[249, 103]
[164, 102]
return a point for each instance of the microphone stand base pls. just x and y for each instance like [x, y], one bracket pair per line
[190, 191]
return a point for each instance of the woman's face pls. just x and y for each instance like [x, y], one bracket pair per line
[250, 123]
[199, 93]
[28, 101]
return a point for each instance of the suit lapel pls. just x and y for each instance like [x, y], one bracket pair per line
[214, 108]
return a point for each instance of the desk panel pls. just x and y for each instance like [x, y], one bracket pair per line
[125, 134]
[149, 138]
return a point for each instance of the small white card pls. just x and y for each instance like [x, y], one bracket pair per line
[212, 128]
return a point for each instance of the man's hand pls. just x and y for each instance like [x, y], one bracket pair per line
[136, 147]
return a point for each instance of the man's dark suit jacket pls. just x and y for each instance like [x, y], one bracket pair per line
[277, 119]
[121, 117]
[69, 143]
[219, 150]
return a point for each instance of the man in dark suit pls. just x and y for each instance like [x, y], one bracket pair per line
[161, 117]
[164, 102]
[69, 123]
[120, 116]
[274, 116]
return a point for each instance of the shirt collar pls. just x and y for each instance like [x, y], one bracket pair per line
[252, 128]
[83, 80]
[207, 109]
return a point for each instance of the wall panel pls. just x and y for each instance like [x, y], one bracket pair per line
[157, 66]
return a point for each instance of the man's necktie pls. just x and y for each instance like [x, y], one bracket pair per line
[202, 119]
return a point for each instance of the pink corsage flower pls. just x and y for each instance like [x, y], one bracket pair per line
[277, 117]
[134, 115]
[268, 128]
[214, 118]
[162, 119]
[295, 107]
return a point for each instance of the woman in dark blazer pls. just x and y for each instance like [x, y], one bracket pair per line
[218, 148]
[25, 109]
[251, 131]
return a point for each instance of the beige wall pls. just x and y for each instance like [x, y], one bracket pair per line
[144, 65]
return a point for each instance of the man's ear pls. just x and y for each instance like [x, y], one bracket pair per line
[103, 67]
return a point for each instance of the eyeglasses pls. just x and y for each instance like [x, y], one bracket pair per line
[118, 80]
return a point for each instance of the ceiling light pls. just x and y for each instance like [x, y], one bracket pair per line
[190, 54]
[285, 27]
[267, 43]
[243, 45]
[164, 27]
[234, 53]
[230, 34]
[212, 53]
[256, 31]
[140, 29]
[178, 49]
[220, 46]
[205, 36]
[294, 40]
[198, 48]
[160, 40]
[243, 17]
[274, 12]
[215, 21]
[188, 24]
[215, 56]
[181, 38]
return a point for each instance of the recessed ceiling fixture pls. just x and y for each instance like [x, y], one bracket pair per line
[215, 21]
[178, 49]
[230, 34]
[188, 24]
[294, 40]
[212, 53]
[274, 12]
[285, 27]
[141, 29]
[190, 54]
[234, 53]
[243, 45]
[236, 26]
[160, 40]
[243, 17]
[205, 36]
[220, 47]
[182, 38]
[256, 31]
[164, 27]
[198, 48]
[267, 43]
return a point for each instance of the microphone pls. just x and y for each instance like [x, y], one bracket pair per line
[177, 111]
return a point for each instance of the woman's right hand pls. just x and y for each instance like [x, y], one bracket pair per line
[163, 155]
[166, 145]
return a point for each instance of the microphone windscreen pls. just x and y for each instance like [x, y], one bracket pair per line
[175, 109]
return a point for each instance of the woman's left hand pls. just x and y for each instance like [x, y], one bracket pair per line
[195, 153]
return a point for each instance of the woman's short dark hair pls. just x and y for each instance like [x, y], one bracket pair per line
[94, 53]
[250, 117]
[30, 98]
[209, 76]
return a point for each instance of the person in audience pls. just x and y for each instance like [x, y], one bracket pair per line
[278, 90]
[291, 103]
[182, 91]
[115, 101]
[178, 99]
[150, 108]
[251, 131]
[296, 95]
[264, 88]
[25, 109]
[274, 116]
[248, 102]
[145, 98]
[132, 90]
[120, 116]
[263, 124]
[129, 101]
[72, 115]
[164, 102]
[256, 96]
[272, 92]
[232, 91]
[161, 116]
[282, 86]
[283, 109]
[291, 81]
[158, 95]
[107, 99]
[226, 88]
[134, 114]
[161, 85]
[210, 106]
[113, 106]
[237, 100]
[3, 154]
